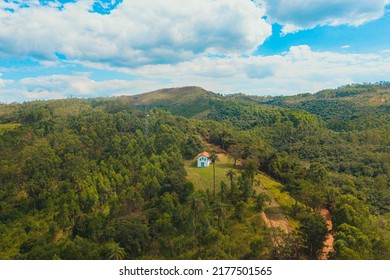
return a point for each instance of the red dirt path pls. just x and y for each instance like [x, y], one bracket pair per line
[328, 243]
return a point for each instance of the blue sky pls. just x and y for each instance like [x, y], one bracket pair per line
[87, 48]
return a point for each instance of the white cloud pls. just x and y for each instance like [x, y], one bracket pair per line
[135, 33]
[3, 82]
[77, 85]
[165, 43]
[299, 70]
[296, 15]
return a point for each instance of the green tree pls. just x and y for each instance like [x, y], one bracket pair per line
[214, 158]
[313, 229]
[261, 200]
[352, 211]
[196, 202]
[230, 175]
[219, 208]
[223, 190]
[131, 233]
[116, 252]
[352, 244]
[259, 249]
[250, 170]
[317, 173]
[235, 151]
[330, 196]
[286, 246]
[245, 185]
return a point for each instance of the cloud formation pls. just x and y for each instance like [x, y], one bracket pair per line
[134, 33]
[76, 85]
[139, 46]
[296, 15]
[299, 70]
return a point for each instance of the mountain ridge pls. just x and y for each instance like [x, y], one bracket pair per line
[365, 103]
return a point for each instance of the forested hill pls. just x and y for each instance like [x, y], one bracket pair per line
[346, 108]
[172, 96]
[107, 178]
[186, 101]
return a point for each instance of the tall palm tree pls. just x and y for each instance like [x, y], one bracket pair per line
[230, 175]
[214, 158]
[116, 252]
[219, 208]
[196, 203]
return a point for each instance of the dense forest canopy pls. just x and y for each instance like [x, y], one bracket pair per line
[107, 178]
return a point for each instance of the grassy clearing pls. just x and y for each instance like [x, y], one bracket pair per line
[276, 189]
[203, 177]
[8, 126]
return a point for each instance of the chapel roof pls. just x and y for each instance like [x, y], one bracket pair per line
[206, 154]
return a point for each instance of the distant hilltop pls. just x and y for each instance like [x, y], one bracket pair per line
[172, 95]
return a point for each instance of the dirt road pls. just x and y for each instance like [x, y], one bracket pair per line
[274, 217]
[328, 243]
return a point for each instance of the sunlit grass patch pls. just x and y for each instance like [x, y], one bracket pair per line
[8, 126]
[202, 178]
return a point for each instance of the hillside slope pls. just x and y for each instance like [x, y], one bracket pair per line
[346, 108]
